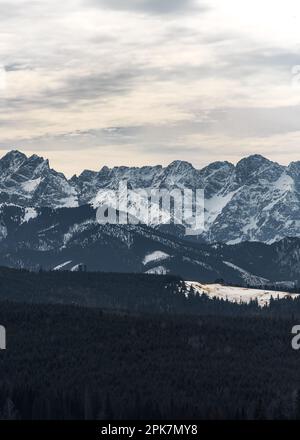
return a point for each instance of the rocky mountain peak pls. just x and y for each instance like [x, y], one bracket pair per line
[257, 167]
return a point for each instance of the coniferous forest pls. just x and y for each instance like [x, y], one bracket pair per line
[101, 346]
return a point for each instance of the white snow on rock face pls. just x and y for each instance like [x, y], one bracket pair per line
[215, 205]
[155, 256]
[237, 294]
[30, 213]
[31, 185]
[69, 202]
[284, 183]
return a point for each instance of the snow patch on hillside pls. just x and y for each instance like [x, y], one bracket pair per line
[61, 266]
[75, 268]
[155, 256]
[30, 213]
[237, 294]
[159, 270]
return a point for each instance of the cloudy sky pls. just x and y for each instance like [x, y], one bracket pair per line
[89, 83]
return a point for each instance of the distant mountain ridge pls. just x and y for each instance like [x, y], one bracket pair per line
[69, 238]
[256, 200]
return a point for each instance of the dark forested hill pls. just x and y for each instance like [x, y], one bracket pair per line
[70, 362]
[91, 345]
[133, 293]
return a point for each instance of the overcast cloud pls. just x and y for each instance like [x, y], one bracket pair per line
[150, 6]
[95, 82]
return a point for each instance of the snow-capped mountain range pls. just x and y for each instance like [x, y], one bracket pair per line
[256, 200]
[30, 182]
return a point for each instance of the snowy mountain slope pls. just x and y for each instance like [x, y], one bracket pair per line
[256, 200]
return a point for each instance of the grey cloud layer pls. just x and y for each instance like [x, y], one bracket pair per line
[77, 87]
[84, 58]
[150, 6]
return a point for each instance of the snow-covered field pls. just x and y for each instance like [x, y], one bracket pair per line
[238, 294]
